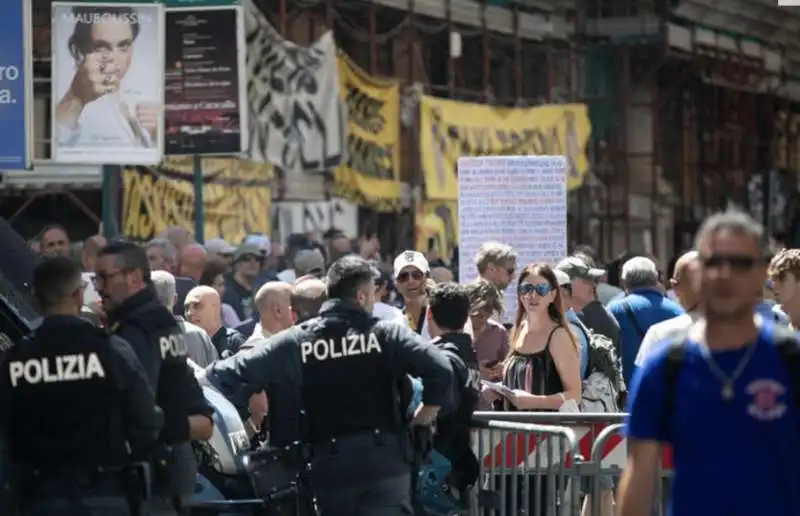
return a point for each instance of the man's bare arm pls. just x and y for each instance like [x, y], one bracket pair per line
[635, 494]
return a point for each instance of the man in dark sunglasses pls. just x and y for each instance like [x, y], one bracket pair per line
[411, 270]
[733, 374]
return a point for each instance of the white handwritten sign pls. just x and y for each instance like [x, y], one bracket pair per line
[517, 200]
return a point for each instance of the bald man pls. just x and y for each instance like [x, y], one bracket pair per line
[308, 295]
[686, 286]
[441, 275]
[203, 308]
[192, 261]
[178, 236]
[274, 306]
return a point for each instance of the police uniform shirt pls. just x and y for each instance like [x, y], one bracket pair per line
[76, 398]
[349, 373]
[160, 345]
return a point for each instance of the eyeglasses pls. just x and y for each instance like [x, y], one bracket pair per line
[415, 275]
[542, 289]
[737, 262]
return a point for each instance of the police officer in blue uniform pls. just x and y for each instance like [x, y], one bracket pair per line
[333, 382]
[122, 276]
[76, 406]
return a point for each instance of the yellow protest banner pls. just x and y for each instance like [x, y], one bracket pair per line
[236, 198]
[371, 176]
[437, 220]
[451, 129]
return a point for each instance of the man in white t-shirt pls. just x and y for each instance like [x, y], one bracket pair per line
[686, 287]
[381, 309]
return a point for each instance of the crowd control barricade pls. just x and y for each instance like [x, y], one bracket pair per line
[592, 466]
[527, 469]
[611, 437]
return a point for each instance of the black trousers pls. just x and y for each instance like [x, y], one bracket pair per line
[388, 497]
[363, 475]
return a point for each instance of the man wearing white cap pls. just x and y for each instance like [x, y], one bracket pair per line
[411, 271]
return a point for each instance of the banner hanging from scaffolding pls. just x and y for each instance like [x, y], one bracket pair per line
[451, 129]
[236, 198]
[298, 122]
[371, 175]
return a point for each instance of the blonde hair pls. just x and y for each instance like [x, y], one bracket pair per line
[785, 260]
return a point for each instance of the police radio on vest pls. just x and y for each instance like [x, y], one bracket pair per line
[350, 345]
[64, 368]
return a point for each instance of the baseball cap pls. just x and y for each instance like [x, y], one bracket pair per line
[413, 259]
[574, 267]
[219, 246]
[244, 250]
[258, 240]
[307, 261]
[562, 277]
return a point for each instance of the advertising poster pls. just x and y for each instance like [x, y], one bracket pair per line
[205, 92]
[15, 86]
[108, 88]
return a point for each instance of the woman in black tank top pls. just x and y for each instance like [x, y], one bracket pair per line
[542, 368]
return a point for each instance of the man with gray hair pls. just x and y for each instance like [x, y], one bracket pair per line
[643, 306]
[162, 255]
[198, 344]
[496, 262]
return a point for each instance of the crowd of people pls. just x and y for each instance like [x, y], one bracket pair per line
[576, 325]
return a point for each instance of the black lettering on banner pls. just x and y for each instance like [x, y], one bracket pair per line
[297, 118]
[365, 111]
[453, 141]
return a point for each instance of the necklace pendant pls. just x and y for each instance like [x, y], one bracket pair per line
[727, 392]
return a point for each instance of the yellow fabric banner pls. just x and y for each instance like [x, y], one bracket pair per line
[371, 176]
[236, 198]
[451, 129]
[437, 220]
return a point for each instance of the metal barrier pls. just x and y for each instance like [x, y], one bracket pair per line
[526, 469]
[591, 466]
[538, 464]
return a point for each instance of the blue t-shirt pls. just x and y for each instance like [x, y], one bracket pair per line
[736, 458]
[583, 344]
[649, 307]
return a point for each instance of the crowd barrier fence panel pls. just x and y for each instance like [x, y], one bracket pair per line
[600, 450]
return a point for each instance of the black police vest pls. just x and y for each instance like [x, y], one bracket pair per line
[347, 388]
[164, 333]
[65, 399]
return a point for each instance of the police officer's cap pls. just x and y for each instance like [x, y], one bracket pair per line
[350, 270]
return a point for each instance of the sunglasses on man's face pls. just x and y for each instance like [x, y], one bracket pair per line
[541, 289]
[404, 276]
[737, 262]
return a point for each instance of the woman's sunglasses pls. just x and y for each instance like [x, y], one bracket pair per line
[542, 289]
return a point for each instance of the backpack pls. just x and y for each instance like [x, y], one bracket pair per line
[786, 343]
[603, 383]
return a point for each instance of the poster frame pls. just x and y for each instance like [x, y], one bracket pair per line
[85, 157]
[241, 63]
